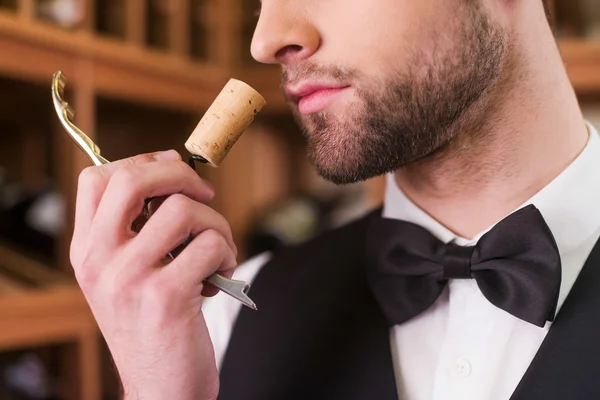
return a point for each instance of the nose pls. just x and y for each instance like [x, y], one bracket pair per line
[283, 34]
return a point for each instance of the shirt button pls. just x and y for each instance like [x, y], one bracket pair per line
[462, 367]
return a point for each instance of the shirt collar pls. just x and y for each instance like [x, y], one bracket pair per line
[569, 205]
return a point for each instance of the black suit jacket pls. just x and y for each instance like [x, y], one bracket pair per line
[319, 333]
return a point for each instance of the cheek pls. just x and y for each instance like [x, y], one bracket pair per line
[374, 36]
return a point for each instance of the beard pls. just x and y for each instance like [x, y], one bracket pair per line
[443, 95]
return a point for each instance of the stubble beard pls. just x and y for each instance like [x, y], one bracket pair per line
[418, 112]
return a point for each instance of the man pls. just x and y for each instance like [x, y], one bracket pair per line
[476, 280]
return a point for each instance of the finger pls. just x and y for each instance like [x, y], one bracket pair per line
[178, 218]
[91, 186]
[207, 253]
[131, 185]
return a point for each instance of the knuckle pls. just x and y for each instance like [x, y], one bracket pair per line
[179, 205]
[212, 243]
[139, 159]
[74, 255]
[224, 225]
[126, 179]
[85, 270]
[90, 177]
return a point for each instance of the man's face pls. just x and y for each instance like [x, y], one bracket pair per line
[379, 84]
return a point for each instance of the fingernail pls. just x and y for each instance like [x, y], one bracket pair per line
[169, 155]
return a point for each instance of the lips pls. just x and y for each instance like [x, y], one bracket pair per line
[312, 98]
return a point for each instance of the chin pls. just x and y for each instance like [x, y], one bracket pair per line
[345, 173]
[342, 160]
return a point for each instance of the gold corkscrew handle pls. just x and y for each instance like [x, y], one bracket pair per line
[66, 114]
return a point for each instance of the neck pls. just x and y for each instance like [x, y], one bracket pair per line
[531, 136]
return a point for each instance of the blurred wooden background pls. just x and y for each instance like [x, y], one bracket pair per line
[140, 75]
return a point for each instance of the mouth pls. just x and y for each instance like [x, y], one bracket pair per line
[314, 97]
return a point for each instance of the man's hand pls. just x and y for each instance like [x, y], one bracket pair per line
[149, 309]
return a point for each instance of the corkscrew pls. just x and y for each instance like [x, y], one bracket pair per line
[209, 143]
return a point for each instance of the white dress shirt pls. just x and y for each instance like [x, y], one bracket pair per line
[463, 347]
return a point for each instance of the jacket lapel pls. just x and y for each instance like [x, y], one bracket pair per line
[567, 365]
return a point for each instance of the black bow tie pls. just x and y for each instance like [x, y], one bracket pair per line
[516, 266]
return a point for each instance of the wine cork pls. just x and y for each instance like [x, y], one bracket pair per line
[224, 122]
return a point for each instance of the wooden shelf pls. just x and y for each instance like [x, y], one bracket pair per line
[125, 70]
[43, 306]
[581, 55]
[31, 292]
[116, 68]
